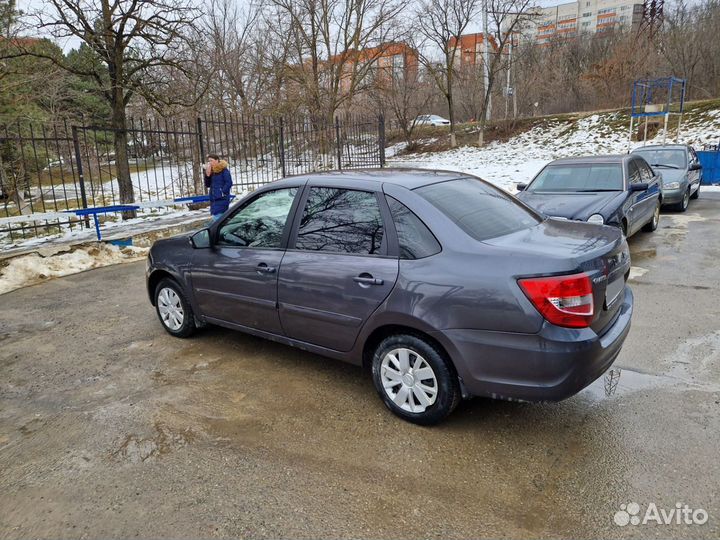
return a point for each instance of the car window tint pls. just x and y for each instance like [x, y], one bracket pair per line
[646, 173]
[259, 224]
[579, 177]
[341, 221]
[414, 238]
[481, 210]
[634, 172]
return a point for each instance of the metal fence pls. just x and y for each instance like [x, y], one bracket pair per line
[65, 167]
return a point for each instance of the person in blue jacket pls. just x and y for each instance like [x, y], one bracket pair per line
[218, 181]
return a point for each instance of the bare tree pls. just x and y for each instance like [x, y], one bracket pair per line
[505, 18]
[440, 24]
[332, 47]
[131, 40]
[405, 95]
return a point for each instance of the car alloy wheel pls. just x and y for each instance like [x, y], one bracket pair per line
[408, 380]
[170, 309]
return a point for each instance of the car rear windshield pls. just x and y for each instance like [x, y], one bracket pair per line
[668, 157]
[481, 210]
[580, 177]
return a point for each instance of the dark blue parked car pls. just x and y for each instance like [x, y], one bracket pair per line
[622, 191]
[442, 285]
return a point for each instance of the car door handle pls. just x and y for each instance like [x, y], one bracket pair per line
[366, 279]
[263, 268]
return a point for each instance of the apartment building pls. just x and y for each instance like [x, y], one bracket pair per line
[469, 51]
[567, 20]
[388, 61]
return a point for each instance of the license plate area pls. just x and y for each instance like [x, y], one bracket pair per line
[613, 290]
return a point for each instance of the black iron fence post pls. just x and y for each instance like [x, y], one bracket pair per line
[381, 139]
[201, 143]
[337, 142]
[81, 176]
[282, 147]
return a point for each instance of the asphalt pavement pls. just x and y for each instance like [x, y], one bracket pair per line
[109, 427]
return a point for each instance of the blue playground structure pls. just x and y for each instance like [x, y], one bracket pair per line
[661, 97]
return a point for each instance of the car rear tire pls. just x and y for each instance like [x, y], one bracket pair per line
[683, 204]
[414, 379]
[651, 225]
[173, 309]
[696, 194]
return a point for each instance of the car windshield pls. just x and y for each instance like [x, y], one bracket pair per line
[583, 177]
[667, 157]
[482, 211]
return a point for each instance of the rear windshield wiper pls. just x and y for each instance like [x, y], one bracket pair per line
[665, 165]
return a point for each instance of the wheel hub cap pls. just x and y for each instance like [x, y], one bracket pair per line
[408, 380]
[170, 309]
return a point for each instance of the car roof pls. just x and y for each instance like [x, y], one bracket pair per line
[408, 178]
[661, 146]
[581, 160]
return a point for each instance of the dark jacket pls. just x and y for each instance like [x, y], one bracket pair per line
[219, 184]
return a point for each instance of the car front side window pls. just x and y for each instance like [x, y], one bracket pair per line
[341, 221]
[634, 176]
[260, 223]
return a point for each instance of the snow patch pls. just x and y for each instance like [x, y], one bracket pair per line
[34, 268]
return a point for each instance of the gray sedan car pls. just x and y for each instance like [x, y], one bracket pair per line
[681, 172]
[442, 285]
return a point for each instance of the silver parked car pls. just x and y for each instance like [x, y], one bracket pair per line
[681, 172]
[431, 120]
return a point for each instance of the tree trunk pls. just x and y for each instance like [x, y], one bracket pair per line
[122, 167]
[451, 111]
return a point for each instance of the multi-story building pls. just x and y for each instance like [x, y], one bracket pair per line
[469, 51]
[585, 16]
[382, 64]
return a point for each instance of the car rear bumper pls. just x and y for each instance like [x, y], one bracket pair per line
[551, 365]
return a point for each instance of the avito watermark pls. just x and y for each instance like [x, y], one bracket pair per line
[680, 514]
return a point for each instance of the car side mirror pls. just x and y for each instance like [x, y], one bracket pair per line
[695, 167]
[521, 186]
[640, 186]
[201, 239]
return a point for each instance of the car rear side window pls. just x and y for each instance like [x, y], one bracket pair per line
[414, 238]
[341, 221]
[482, 211]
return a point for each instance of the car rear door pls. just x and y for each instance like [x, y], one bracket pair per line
[236, 280]
[336, 271]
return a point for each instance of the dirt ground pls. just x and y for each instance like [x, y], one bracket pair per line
[111, 428]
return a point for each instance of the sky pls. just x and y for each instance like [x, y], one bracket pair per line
[67, 44]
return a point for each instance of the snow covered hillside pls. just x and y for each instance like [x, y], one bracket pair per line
[521, 157]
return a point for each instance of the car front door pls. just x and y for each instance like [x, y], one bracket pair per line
[336, 270]
[649, 197]
[633, 205]
[694, 170]
[236, 280]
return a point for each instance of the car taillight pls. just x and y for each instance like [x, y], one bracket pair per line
[562, 300]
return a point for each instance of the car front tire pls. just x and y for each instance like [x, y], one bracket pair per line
[683, 204]
[173, 309]
[414, 379]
